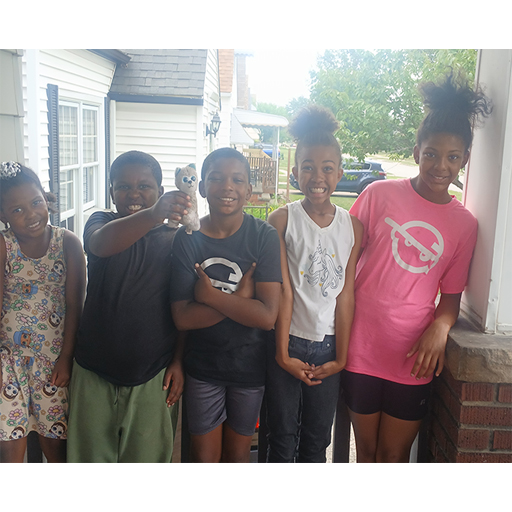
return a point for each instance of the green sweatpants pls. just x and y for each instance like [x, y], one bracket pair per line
[109, 423]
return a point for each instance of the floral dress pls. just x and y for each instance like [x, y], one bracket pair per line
[31, 337]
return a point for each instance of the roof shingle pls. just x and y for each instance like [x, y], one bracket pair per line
[162, 73]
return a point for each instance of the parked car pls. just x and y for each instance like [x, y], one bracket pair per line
[356, 176]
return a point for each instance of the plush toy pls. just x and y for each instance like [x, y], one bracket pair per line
[186, 180]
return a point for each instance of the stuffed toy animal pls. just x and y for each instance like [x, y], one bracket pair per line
[186, 180]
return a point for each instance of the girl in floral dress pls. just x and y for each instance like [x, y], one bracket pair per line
[42, 288]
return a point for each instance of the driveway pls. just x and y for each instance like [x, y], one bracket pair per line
[398, 169]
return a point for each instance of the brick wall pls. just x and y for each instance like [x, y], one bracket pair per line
[470, 421]
[226, 69]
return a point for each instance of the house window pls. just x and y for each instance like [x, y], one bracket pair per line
[90, 156]
[79, 164]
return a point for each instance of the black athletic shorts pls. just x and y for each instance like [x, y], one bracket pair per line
[365, 394]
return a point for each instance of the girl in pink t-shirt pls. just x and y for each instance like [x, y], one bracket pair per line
[418, 241]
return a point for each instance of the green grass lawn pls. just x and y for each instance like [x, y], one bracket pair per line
[283, 162]
[457, 194]
[343, 202]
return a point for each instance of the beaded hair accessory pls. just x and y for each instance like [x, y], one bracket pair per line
[9, 170]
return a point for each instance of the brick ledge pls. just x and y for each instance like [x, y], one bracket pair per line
[472, 356]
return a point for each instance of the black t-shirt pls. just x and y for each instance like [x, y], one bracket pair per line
[127, 335]
[228, 352]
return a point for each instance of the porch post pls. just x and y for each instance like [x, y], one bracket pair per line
[275, 155]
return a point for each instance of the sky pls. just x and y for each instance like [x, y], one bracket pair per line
[280, 75]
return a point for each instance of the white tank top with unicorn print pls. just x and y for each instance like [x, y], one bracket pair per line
[317, 259]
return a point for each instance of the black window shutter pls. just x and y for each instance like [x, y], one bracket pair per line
[52, 93]
[107, 152]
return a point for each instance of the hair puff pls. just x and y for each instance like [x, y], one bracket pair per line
[453, 107]
[312, 118]
[455, 94]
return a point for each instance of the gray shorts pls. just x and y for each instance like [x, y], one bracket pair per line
[209, 405]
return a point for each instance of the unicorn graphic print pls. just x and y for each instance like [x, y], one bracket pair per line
[322, 270]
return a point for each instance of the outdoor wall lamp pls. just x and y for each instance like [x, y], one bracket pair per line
[214, 125]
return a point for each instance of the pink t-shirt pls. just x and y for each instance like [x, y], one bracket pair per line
[412, 249]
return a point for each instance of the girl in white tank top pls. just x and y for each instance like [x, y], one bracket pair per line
[319, 248]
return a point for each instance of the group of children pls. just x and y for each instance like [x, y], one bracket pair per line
[315, 301]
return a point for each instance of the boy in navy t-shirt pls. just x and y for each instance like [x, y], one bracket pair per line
[226, 303]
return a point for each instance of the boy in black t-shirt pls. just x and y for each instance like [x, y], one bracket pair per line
[121, 396]
[226, 285]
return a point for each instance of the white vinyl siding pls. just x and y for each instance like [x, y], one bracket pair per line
[224, 135]
[167, 132]
[211, 97]
[211, 84]
[11, 107]
[80, 76]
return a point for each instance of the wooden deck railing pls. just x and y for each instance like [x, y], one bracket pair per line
[263, 173]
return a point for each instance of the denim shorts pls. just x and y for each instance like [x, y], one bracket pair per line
[209, 405]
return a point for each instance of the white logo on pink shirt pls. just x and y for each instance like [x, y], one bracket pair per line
[402, 239]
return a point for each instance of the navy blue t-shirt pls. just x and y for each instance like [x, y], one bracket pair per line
[126, 334]
[228, 352]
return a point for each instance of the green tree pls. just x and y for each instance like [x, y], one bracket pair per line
[296, 104]
[374, 94]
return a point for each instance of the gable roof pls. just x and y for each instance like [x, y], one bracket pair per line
[161, 76]
[116, 56]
